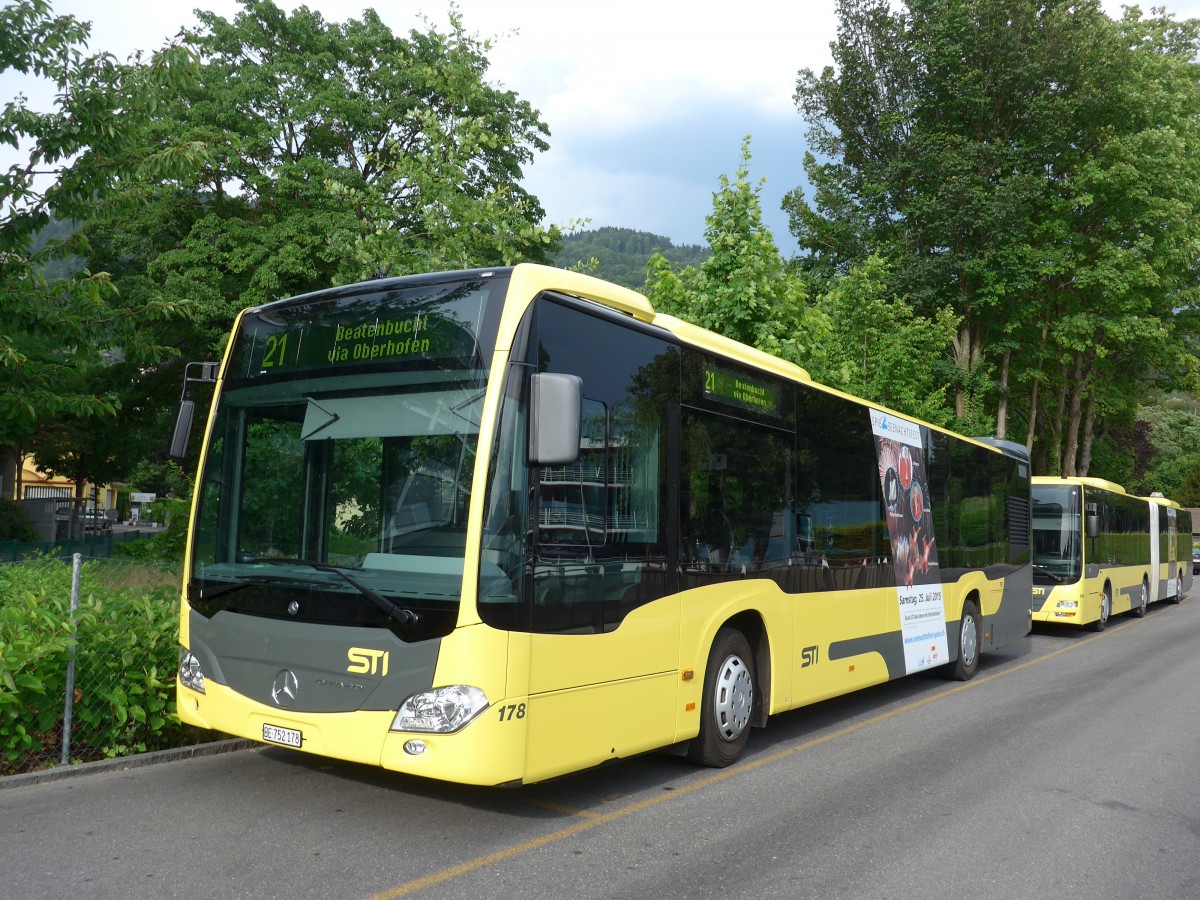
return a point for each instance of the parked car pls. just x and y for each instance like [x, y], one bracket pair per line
[1196, 562]
[96, 520]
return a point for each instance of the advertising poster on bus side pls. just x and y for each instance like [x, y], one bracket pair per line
[904, 478]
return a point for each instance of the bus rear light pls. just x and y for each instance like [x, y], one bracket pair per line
[442, 710]
[190, 673]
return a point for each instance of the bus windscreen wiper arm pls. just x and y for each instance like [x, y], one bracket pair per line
[402, 614]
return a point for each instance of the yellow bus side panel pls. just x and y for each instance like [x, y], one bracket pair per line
[645, 643]
[586, 688]
[823, 621]
[473, 655]
[586, 726]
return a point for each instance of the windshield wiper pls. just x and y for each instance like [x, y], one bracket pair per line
[208, 594]
[204, 594]
[1043, 569]
[402, 614]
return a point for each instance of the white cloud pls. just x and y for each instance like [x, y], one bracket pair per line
[647, 100]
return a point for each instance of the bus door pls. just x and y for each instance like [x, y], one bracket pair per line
[1156, 560]
[604, 632]
[1172, 553]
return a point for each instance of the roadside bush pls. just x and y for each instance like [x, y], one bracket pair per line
[125, 661]
[35, 646]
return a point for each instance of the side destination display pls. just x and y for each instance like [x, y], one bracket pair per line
[727, 387]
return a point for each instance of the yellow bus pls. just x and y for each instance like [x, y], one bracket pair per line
[500, 525]
[1170, 550]
[1091, 551]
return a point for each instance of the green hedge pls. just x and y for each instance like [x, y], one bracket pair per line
[125, 662]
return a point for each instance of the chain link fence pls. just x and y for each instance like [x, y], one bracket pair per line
[88, 654]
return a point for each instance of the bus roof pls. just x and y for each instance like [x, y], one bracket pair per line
[1086, 481]
[1163, 501]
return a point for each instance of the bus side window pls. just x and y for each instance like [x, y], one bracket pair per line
[838, 494]
[735, 495]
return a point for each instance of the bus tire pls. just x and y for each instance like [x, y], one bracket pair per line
[1178, 595]
[970, 632]
[1139, 611]
[1105, 610]
[728, 702]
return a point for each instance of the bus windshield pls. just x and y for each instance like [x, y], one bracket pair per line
[338, 476]
[1057, 534]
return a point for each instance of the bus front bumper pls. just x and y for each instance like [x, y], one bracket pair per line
[489, 750]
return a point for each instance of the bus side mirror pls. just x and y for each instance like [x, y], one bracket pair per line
[205, 373]
[1092, 525]
[555, 404]
[183, 429]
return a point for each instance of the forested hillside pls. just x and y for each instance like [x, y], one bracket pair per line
[621, 254]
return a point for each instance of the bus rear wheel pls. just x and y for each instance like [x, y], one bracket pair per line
[1105, 610]
[1139, 611]
[728, 702]
[969, 633]
[1178, 595]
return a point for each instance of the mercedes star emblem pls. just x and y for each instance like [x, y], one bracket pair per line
[285, 687]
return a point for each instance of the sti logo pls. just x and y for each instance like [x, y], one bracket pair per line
[364, 661]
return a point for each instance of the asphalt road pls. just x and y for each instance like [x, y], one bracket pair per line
[1070, 767]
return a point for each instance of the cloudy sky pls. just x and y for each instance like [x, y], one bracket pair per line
[647, 100]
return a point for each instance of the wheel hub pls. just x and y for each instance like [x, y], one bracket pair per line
[734, 698]
[970, 642]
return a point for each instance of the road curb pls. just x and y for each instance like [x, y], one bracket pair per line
[126, 762]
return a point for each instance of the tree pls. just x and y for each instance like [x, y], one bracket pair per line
[742, 289]
[881, 350]
[352, 151]
[345, 152]
[1030, 166]
[79, 157]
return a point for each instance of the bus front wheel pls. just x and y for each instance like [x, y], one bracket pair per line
[969, 632]
[728, 702]
[1105, 610]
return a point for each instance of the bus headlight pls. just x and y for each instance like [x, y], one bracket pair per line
[190, 673]
[440, 710]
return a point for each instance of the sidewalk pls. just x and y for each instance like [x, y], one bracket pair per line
[126, 762]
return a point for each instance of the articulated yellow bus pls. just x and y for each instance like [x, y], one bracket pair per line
[1170, 550]
[1091, 551]
[501, 525]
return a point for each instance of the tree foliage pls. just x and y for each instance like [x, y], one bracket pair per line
[348, 150]
[55, 331]
[742, 289]
[881, 350]
[340, 151]
[1032, 166]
